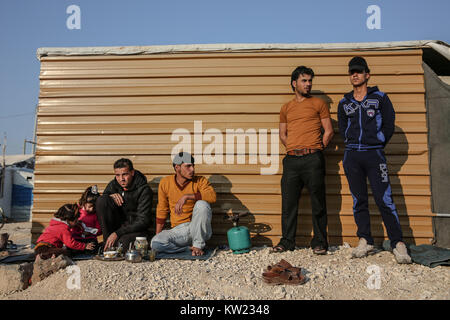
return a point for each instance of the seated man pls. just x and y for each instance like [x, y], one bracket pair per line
[187, 199]
[124, 209]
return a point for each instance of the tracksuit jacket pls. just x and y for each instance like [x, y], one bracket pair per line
[368, 124]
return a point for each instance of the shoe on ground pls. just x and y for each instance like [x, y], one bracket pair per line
[363, 249]
[319, 250]
[401, 253]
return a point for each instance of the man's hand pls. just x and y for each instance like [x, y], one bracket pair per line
[117, 199]
[110, 241]
[180, 204]
[90, 246]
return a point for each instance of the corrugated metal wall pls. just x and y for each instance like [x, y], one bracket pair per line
[95, 109]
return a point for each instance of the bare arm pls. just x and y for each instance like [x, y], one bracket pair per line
[329, 133]
[180, 203]
[283, 133]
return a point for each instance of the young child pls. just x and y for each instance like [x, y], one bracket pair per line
[58, 234]
[88, 228]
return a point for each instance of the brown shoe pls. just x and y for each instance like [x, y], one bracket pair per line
[278, 249]
[319, 250]
[284, 277]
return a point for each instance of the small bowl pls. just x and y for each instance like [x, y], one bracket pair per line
[110, 254]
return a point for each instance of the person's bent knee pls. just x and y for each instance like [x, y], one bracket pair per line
[202, 209]
[156, 245]
[202, 205]
[103, 201]
[158, 241]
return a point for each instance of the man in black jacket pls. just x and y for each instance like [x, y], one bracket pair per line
[124, 209]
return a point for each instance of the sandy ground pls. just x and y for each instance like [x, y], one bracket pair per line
[236, 277]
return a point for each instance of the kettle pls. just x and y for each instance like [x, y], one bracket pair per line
[238, 237]
[133, 255]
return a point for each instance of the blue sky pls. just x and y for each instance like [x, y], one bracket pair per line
[28, 25]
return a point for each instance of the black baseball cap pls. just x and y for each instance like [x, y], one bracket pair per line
[358, 64]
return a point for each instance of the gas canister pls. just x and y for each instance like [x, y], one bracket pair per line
[238, 237]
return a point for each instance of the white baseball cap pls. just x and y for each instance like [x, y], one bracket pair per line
[183, 157]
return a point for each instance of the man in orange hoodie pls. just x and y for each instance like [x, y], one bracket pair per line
[186, 199]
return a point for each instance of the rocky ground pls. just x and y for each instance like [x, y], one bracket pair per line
[229, 276]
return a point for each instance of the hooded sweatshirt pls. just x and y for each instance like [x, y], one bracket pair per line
[137, 206]
[89, 224]
[366, 124]
[58, 234]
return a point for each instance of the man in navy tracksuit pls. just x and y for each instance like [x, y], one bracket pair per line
[366, 121]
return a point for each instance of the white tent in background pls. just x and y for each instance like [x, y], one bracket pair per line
[16, 186]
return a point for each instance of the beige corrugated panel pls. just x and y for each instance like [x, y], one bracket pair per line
[94, 109]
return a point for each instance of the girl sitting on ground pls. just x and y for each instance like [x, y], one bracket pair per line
[88, 227]
[58, 234]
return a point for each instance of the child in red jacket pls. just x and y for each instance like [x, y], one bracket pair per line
[88, 227]
[58, 234]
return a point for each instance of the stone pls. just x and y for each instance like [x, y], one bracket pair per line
[15, 277]
[425, 295]
[280, 292]
[44, 268]
[3, 241]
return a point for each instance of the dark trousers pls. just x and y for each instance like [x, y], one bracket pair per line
[300, 171]
[111, 217]
[371, 164]
[47, 252]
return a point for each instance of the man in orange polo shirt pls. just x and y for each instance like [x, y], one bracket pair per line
[186, 198]
[301, 122]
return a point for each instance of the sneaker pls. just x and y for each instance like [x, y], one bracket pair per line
[363, 249]
[401, 253]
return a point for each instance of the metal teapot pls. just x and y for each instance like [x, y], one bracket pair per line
[133, 255]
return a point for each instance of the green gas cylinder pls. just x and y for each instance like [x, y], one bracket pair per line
[239, 238]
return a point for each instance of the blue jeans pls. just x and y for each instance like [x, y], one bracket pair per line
[195, 233]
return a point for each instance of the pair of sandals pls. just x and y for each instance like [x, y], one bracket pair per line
[283, 273]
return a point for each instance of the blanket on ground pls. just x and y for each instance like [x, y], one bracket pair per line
[427, 255]
[187, 255]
